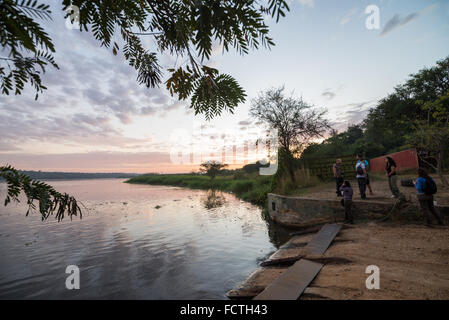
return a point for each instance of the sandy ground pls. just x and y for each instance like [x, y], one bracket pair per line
[413, 262]
[380, 188]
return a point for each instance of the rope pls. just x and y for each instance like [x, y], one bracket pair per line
[399, 201]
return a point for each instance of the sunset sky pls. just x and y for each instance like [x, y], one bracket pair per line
[95, 117]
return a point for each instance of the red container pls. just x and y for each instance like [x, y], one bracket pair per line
[407, 159]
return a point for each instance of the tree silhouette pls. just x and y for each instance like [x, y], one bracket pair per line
[186, 28]
[295, 121]
[212, 168]
[49, 200]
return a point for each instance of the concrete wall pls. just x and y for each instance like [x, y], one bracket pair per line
[407, 159]
[300, 212]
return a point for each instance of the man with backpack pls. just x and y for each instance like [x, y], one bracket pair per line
[360, 170]
[426, 188]
[368, 184]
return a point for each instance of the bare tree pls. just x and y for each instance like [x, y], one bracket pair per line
[296, 121]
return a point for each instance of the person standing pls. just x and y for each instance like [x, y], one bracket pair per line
[360, 170]
[368, 184]
[338, 174]
[391, 171]
[426, 188]
[347, 201]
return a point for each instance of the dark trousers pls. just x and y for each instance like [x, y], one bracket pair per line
[339, 182]
[362, 187]
[348, 212]
[427, 207]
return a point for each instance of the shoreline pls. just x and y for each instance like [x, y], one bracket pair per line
[253, 189]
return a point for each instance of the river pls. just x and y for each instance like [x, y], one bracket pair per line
[134, 242]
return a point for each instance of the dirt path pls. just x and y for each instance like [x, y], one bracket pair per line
[413, 262]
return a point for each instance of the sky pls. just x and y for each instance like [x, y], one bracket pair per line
[95, 117]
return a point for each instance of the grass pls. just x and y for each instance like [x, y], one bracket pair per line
[248, 187]
[303, 182]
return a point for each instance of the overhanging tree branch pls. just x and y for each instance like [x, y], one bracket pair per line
[49, 201]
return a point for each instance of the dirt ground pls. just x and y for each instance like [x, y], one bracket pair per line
[413, 261]
[381, 190]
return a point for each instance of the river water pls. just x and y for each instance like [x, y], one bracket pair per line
[134, 242]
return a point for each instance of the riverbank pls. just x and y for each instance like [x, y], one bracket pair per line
[248, 187]
[413, 261]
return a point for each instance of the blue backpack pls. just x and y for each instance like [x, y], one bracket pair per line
[431, 186]
[366, 165]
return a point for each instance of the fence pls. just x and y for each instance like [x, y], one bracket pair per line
[322, 167]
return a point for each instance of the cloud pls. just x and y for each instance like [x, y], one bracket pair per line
[309, 3]
[328, 94]
[358, 105]
[244, 123]
[348, 16]
[351, 113]
[7, 146]
[147, 111]
[355, 116]
[79, 130]
[90, 104]
[397, 21]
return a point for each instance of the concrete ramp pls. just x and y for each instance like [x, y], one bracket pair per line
[321, 241]
[292, 283]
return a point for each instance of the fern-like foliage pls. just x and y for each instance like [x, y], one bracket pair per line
[185, 28]
[29, 48]
[49, 201]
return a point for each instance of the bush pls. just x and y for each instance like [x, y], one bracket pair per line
[242, 186]
[239, 175]
[303, 178]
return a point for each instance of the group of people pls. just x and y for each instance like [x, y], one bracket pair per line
[361, 168]
[425, 186]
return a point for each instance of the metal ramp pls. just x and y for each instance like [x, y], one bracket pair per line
[292, 283]
[322, 240]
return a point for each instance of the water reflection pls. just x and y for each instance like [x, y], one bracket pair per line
[213, 199]
[127, 248]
